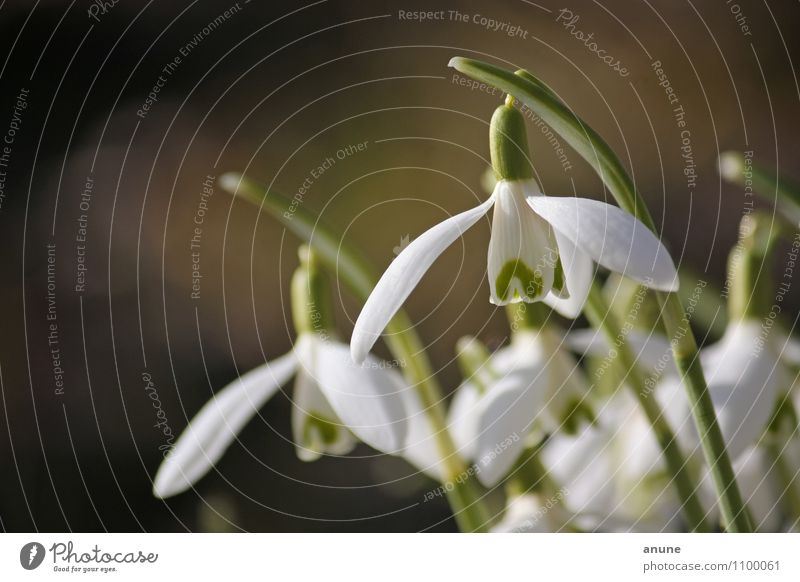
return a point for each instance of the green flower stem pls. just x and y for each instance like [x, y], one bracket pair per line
[706, 315]
[599, 315]
[776, 189]
[464, 496]
[590, 146]
[752, 287]
[530, 474]
[788, 483]
[781, 430]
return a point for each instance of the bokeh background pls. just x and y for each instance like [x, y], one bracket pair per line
[273, 90]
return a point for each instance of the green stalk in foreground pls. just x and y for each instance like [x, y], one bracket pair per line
[782, 427]
[779, 190]
[464, 497]
[599, 314]
[588, 143]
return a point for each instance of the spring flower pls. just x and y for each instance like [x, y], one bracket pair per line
[749, 375]
[744, 374]
[605, 476]
[541, 248]
[613, 470]
[523, 391]
[334, 402]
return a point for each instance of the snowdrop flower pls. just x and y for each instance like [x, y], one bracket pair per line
[519, 393]
[748, 372]
[523, 391]
[747, 379]
[541, 248]
[744, 379]
[607, 476]
[743, 372]
[614, 471]
[335, 401]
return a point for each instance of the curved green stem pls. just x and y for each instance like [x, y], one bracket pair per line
[590, 146]
[783, 428]
[464, 496]
[779, 190]
[599, 315]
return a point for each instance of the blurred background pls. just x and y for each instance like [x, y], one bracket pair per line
[115, 116]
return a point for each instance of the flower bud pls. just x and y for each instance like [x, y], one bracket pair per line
[473, 361]
[311, 303]
[749, 268]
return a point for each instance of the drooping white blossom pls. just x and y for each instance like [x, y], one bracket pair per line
[541, 249]
[334, 402]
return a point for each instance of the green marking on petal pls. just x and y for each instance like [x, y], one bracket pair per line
[558, 276]
[531, 281]
[575, 412]
[319, 430]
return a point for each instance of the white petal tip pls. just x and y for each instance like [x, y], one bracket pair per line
[453, 62]
[488, 476]
[730, 165]
[674, 286]
[162, 492]
[566, 311]
[230, 182]
[167, 484]
[668, 284]
[357, 353]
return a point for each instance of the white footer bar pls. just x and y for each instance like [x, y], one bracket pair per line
[401, 557]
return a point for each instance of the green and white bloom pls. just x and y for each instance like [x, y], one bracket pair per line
[743, 369]
[541, 248]
[614, 471]
[335, 401]
[521, 392]
[608, 475]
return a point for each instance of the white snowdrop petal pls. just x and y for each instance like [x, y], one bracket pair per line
[578, 272]
[583, 463]
[315, 427]
[508, 412]
[527, 351]
[525, 514]
[215, 427]
[421, 448]
[522, 249]
[463, 419]
[743, 381]
[611, 237]
[366, 397]
[758, 488]
[789, 347]
[403, 275]
[743, 378]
